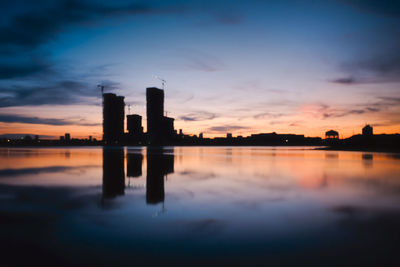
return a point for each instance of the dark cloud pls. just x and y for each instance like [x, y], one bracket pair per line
[343, 113]
[382, 62]
[268, 115]
[348, 80]
[60, 93]
[389, 8]
[226, 128]
[198, 116]
[384, 68]
[36, 120]
[38, 26]
[9, 71]
[390, 100]
[22, 33]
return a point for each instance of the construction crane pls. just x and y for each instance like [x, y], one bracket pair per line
[102, 93]
[101, 88]
[163, 82]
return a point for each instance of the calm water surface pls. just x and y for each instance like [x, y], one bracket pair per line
[199, 205]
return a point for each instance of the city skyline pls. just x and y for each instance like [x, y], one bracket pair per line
[243, 67]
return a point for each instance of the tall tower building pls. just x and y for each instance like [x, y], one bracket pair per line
[113, 118]
[155, 114]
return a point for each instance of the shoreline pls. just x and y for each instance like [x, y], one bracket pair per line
[313, 147]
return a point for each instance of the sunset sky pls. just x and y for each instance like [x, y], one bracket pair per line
[289, 66]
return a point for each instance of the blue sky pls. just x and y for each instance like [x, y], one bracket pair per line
[239, 66]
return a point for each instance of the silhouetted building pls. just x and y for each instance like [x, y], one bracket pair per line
[113, 118]
[159, 128]
[159, 164]
[332, 134]
[67, 137]
[367, 130]
[201, 135]
[62, 138]
[134, 164]
[155, 114]
[228, 135]
[113, 172]
[134, 125]
[168, 127]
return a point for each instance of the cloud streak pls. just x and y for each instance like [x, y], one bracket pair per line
[198, 116]
[46, 121]
[226, 128]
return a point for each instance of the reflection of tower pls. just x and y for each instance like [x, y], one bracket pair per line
[113, 172]
[134, 164]
[159, 164]
[113, 118]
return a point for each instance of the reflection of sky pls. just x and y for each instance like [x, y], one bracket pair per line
[246, 200]
[285, 66]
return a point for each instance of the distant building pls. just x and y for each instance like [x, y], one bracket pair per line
[201, 135]
[90, 138]
[332, 134]
[67, 137]
[368, 130]
[62, 138]
[134, 125]
[228, 135]
[113, 118]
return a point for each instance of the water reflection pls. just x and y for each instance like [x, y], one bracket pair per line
[367, 160]
[159, 164]
[113, 172]
[255, 206]
[134, 161]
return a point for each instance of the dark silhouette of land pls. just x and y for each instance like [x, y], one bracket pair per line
[161, 132]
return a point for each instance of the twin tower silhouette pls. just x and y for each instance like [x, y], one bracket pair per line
[160, 128]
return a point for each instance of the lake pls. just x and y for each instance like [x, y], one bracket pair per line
[287, 206]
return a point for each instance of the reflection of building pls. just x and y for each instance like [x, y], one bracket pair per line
[367, 160]
[134, 164]
[113, 172]
[113, 118]
[367, 130]
[332, 134]
[159, 164]
[159, 127]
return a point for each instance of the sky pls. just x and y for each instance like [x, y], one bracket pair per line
[285, 66]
